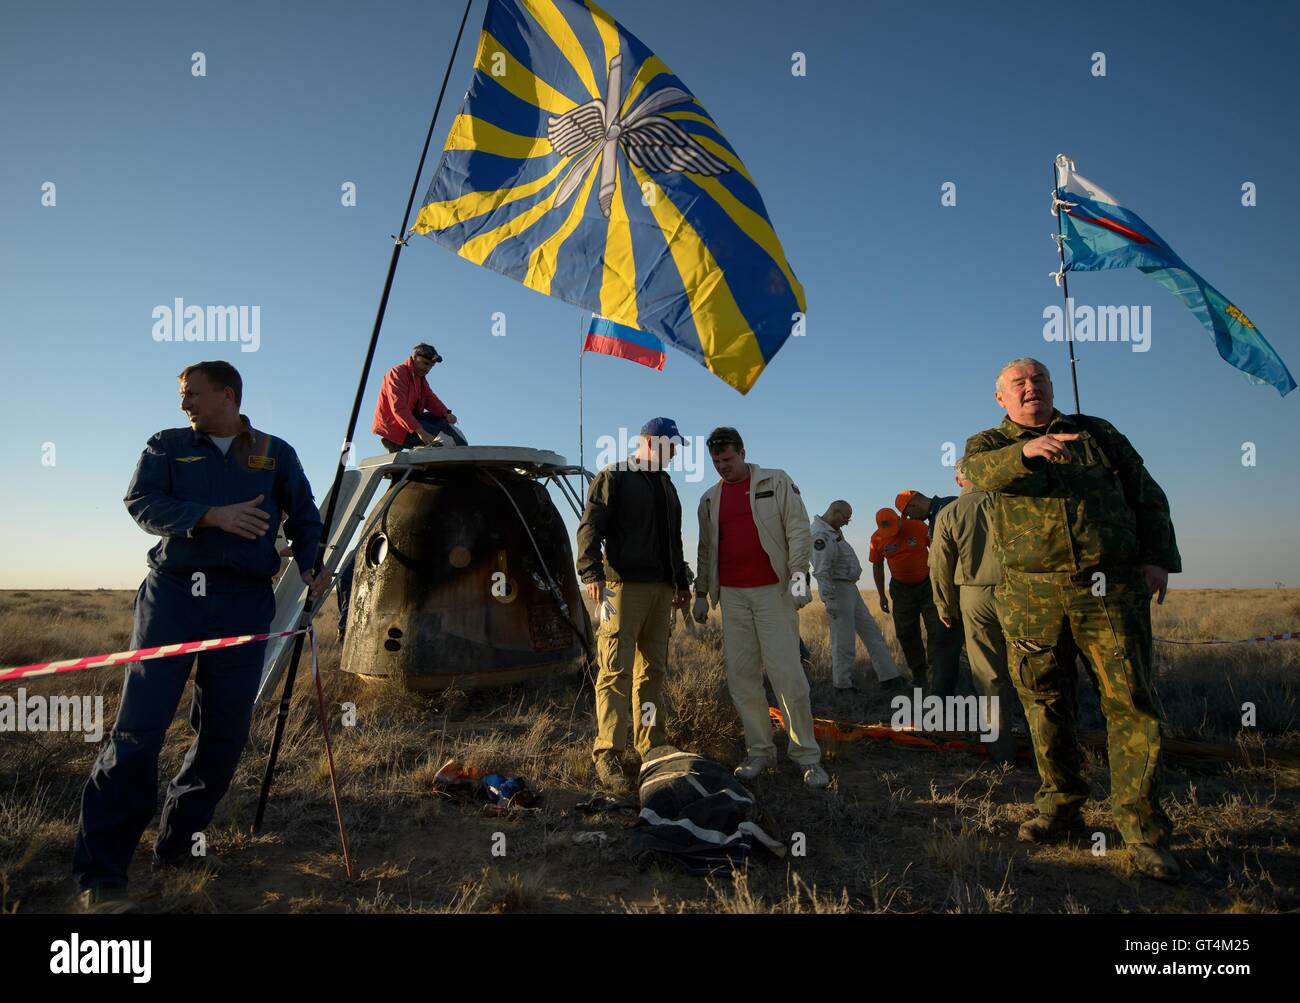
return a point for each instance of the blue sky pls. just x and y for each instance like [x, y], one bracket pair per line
[225, 189]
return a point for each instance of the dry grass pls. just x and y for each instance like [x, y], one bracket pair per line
[899, 831]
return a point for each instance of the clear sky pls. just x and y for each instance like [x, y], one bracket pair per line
[225, 189]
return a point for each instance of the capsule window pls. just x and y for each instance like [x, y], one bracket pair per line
[376, 550]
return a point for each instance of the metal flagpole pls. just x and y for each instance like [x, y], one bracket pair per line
[582, 352]
[1057, 205]
[399, 241]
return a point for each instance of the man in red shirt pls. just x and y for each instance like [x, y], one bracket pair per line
[753, 564]
[408, 413]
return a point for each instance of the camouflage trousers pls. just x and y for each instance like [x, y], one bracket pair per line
[1048, 619]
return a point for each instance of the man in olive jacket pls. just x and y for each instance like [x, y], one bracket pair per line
[1085, 538]
[964, 574]
[633, 512]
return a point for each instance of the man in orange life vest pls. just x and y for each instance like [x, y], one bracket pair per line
[904, 544]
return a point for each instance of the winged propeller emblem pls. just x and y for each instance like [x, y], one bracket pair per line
[595, 133]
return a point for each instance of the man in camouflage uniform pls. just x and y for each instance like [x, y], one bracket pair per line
[1084, 537]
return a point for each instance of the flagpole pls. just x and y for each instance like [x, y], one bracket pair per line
[582, 352]
[1065, 287]
[399, 241]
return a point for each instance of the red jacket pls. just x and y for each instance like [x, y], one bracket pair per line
[404, 396]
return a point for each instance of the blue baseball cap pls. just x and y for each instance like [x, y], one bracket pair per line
[661, 426]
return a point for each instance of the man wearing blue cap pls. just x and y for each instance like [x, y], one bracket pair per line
[630, 559]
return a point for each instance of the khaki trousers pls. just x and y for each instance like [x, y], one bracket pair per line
[632, 648]
[986, 650]
[760, 634]
[853, 620]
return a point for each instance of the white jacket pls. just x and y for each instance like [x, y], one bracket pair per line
[782, 523]
[833, 560]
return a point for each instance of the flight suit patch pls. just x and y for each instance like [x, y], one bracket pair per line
[819, 544]
[261, 462]
[765, 494]
[187, 459]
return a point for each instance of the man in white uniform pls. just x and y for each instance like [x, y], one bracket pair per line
[837, 569]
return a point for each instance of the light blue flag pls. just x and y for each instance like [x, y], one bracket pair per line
[1100, 233]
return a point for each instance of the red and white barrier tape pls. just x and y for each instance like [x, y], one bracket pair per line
[1293, 635]
[194, 647]
[143, 654]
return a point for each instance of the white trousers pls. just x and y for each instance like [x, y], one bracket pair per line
[760, 634]
[853, 620]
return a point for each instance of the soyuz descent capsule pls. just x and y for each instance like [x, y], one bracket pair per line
[463, 572]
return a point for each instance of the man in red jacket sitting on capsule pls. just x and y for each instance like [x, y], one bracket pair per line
[408, 413]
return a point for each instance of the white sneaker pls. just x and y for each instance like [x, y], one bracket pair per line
[752, 767]
[815, 777]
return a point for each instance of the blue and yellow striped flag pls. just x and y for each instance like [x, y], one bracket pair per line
[581, 166]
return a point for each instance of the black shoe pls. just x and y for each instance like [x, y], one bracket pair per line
[1044, 829]
[1154, 861]
[890, 685]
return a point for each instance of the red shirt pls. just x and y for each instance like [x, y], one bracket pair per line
[742, 561]
[404, 396]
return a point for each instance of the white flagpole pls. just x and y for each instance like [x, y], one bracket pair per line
[1059, 236]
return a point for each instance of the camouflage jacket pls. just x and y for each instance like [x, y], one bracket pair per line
[1103, 509]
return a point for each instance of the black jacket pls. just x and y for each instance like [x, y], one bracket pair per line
[620, 514]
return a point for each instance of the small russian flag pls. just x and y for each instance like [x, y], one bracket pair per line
[623, 342]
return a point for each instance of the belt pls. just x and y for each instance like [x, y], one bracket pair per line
[1082, 577]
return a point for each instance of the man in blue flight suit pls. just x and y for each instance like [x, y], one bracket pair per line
[214, 493]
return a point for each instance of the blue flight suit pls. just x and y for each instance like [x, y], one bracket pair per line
[203, 583]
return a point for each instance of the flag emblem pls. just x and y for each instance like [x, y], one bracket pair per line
[598, 130]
